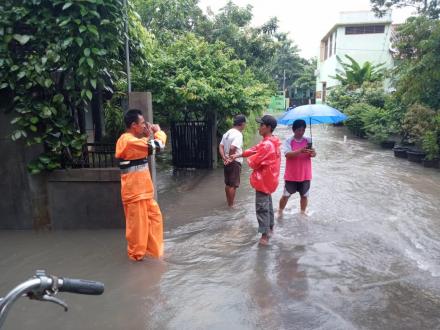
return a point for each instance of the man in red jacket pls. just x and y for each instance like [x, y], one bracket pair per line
[265, 160]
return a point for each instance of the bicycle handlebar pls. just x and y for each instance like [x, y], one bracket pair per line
[44, 288]
[81, 286]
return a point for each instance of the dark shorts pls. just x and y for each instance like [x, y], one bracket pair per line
[291, 187]
[232, 174]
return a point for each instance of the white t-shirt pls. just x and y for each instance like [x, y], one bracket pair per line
[233, 137]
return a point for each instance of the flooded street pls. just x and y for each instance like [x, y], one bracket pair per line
[366, 257]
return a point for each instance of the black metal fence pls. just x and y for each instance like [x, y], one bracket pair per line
[191, 143]
[94, 155]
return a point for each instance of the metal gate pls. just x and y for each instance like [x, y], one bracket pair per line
[191, 143]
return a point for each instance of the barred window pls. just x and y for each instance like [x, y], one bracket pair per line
[364, 29]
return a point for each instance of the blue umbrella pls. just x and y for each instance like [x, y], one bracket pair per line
[313, 114]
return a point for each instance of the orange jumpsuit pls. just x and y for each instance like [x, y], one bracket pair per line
[144, 225]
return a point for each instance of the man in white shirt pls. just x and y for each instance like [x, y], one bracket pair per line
[232, 143]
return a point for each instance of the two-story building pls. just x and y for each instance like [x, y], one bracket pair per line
[359, 34]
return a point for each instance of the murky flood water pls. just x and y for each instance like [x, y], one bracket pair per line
[366, 257]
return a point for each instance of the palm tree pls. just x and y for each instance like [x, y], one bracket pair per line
[354, 75]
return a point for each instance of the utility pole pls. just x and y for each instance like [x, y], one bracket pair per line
[284, 82]
[127, 49]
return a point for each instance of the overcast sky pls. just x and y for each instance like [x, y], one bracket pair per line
[307, 21]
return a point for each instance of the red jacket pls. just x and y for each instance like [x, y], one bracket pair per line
[265, 160]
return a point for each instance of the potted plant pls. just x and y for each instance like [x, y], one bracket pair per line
[432, 149]
[418, 120]
[400, 151]
[415, 155]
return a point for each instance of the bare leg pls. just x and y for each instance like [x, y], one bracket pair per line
[303, 203]
[230, 195]
[283, 203]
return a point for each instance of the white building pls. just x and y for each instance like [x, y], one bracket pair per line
[359, 34]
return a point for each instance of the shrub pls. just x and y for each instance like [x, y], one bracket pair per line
[355, 122]
[376, 123]
[430, 145]
[418, 120]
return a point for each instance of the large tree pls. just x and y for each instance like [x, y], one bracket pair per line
[167, 19]
[418, 72]
[54, 55]
[191, 77]
[429, 8]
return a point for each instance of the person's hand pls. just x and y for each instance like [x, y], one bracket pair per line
[311, 152]
[148, 129]
[302, 150]
[155, 128]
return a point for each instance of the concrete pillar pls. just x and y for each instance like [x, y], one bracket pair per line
[214, 147]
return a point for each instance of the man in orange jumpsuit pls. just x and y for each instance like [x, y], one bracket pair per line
[144, 226]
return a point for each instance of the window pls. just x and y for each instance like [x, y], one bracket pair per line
[364, 29]
[330, 48]
[336, 35]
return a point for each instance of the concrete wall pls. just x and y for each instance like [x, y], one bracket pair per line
[63, 199]
[85, 199]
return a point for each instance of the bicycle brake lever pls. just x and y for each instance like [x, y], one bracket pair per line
[54, 300]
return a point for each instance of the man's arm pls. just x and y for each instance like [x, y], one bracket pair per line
[263, 152]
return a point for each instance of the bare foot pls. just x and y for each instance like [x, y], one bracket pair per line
[264, 240]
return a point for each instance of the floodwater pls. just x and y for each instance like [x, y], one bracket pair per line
[366, 257]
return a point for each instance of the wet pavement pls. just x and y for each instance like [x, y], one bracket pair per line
[366, 257]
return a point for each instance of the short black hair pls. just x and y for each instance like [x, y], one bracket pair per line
[132, 116]
[268, 120]
[239, 119]
[299, 123]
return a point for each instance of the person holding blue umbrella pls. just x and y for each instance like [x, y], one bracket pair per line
[298, 173]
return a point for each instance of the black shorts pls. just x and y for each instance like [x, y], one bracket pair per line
[291, 187]
[232, 174]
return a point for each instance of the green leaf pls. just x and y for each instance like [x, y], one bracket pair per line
[58, 98]
[15, 120]
[22, 38]
[4, 85]
[82, 28]
[95, 13]
[65, 22]
[47, 83]
[21, 74]
[67, 42]
[87, 52]
[90, 62]
[44, 159]
[93, 30]
[33, 128]
[79, 41]
[34, 120]
[46, 113]
[89, 95]
[67, 5]
[16, 135]
[93, 83]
